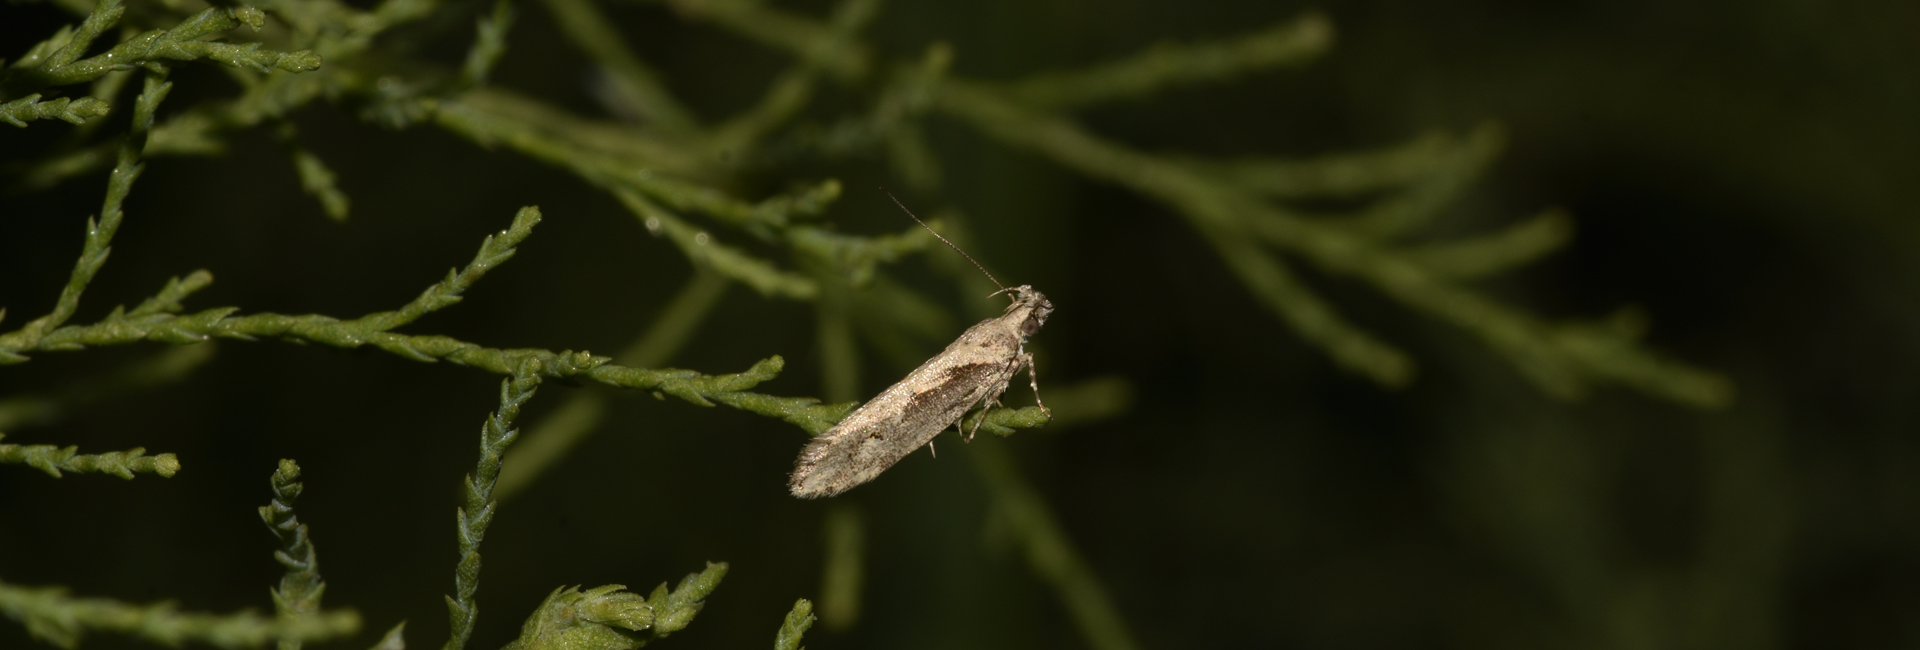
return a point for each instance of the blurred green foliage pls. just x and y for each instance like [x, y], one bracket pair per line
[1235, 207]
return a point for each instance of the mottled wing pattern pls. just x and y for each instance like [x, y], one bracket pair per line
[973, 370]
[964, 386]
[896, 422]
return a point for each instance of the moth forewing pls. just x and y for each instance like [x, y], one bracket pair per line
[973, 371]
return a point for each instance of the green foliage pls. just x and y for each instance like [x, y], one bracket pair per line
[53, 616]
[301, 588]
[602, 618]
[394, 639]
[94, 252]
[795, 626]
[25, 109]
[124, 464]
[56, 61]
[476, 514]
[1562, 359]
[490, 43]
[845, 568]
[1286, 44]
[1022, 517]
[674, 610]
[164, 367]
[550, 440]
[610, 618]
[315, 177]
[155, 321]
[679, 176]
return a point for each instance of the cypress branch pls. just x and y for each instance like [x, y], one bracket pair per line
[54, 460]
[181, 43]
[795, 625]
[1049, 553]
[300, 588]
[476, 513]
[26, 109]
[1291, 43]
[62, 620]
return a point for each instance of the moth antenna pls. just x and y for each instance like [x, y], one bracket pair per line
[956, 249]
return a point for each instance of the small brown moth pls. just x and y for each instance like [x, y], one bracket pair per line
[973, 371]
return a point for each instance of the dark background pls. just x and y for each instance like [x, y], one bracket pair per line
[1740, 170]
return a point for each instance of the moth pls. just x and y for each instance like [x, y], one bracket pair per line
[973, 371]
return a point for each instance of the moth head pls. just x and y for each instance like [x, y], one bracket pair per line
[1030, 307]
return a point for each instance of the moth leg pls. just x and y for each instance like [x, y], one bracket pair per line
[930, 447]
[960, 427]
[1034, 380]
[986, 406]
